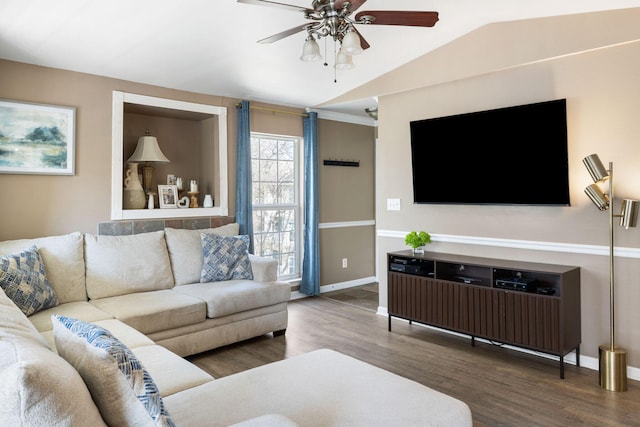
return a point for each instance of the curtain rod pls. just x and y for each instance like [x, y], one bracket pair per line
[275, 111]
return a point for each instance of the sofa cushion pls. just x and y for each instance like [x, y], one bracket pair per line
[235, 296]
[82, 310]
[170, 372]
[24, 279]
[154, 311]
[14, 324]
[318, 389]
[185, 250]
[36, 383]
[121, 387]
[119, 265]
[40, 388]
[63, 257]
[225, 258]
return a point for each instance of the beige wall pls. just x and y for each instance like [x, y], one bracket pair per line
[348, 196]
[603, 103]
[42, 205]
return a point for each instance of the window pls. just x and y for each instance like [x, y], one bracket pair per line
[276, 201]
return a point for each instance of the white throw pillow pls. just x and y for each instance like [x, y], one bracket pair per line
[122, 389]
[121, 265]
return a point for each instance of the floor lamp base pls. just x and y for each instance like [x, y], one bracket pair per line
[613, 368]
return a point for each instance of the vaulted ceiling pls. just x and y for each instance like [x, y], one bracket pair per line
[210, 46]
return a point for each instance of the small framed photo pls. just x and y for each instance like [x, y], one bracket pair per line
[37, 138]
[168, 196]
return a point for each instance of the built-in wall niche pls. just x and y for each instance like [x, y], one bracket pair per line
[192, 136]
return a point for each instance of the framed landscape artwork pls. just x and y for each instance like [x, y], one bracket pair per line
[37, 138]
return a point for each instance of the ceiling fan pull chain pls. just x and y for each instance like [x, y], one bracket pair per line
[335, 69]
[325, 52]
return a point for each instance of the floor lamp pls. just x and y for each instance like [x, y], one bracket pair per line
[612, 359]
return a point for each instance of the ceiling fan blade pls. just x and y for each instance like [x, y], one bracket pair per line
[276, 4]
[355, 4]
[397, 17]
[280, 36]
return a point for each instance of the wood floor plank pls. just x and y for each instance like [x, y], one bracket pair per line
[503, 387]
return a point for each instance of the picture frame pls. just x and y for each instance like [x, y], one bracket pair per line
[168, 196]
[37, 138]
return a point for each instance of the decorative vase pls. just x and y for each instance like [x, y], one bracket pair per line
[418, 251]
[133, 195]
[208, 201]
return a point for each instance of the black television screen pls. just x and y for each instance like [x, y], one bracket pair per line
[508, 156]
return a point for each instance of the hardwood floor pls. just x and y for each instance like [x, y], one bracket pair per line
[502, 387]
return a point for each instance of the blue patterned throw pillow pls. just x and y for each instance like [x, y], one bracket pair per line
[225, 258]
[23, 278]
[121, 387]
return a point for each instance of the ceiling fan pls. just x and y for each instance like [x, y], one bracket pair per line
[333, 18]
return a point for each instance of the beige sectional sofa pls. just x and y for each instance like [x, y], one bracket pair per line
[151, 282]
[142, 296]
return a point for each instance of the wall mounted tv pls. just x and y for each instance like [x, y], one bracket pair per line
[508, 156]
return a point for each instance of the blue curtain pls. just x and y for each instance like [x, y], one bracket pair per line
[244, 213]
[310, 283]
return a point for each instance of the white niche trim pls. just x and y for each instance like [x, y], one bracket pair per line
[117, 166]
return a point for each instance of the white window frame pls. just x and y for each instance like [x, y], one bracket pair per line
[298, 204]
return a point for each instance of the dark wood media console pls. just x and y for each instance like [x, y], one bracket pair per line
[528, 305]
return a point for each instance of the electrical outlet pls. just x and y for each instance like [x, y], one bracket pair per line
[344, 263]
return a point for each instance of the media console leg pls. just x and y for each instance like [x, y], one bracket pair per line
[578, 356]
[389, 323]
[561, 367]
[473, 341]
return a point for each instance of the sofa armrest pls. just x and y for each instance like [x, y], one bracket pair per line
[264, 269]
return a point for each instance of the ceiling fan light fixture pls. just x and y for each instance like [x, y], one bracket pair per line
[344, 61]
[310, 50]
[351, 43]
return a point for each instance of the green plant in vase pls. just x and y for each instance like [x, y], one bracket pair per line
[417, 240]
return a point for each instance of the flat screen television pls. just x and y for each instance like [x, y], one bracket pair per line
[507, 156]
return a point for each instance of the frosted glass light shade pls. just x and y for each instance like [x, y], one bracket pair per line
[310, 50]
[148, 150]
[344, 61]
[351, 43]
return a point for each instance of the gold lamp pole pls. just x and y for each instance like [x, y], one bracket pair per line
[612, 359]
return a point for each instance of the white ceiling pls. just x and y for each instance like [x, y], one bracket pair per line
[209, 46]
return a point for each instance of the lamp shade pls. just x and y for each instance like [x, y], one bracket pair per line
[148, 150]
[310, 50]
[629, 213]
[344, 61]
[597, 197]
[595, 167]
[351, 43]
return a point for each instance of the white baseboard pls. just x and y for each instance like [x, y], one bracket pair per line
[337, 286]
